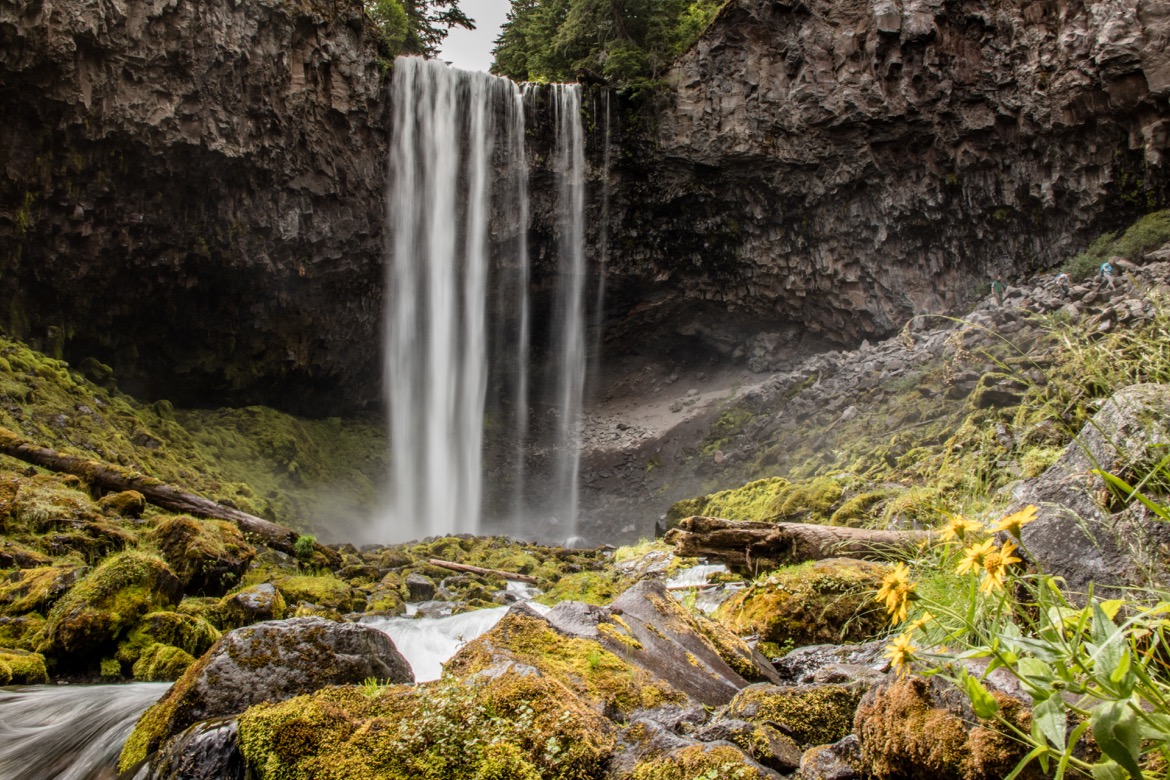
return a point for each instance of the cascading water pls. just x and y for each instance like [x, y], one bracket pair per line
[458, 357]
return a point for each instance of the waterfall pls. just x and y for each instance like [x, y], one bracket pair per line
[458, 357]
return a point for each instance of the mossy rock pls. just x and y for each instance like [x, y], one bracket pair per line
[251, 605]
[203, 607]
[36, 590]
[193, 635]
[22, 632]
[700, 761]
[322, 590]
[862, 509]
[107, 602]
[161, 663]
[917, 507]
[812, 501]
[24, 668]
[128, 503]
[209, 556]
[827, 601]
[591, 587]
[507, 727]
[912, 728]
[811, 715]
[14, 555]
[599, 677]
[757, 500]
[46, 502]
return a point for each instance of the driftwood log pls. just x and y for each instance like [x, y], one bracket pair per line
[751, 547]
[507, 575]
[107, 476]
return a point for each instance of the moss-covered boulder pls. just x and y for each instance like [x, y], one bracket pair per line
[209, 556]
[811, 715]
[192, 635]
[817, 602]
[268, 662]
[127, 503]
[23, 668]
[22, 632]
[106, 603]
[255, 604]
[161, 663]
[46, 502]
[510, 726]
[701, 761]
[321, 590]
[601, 678]
[914, 728]
[37, 589]
[14, 555]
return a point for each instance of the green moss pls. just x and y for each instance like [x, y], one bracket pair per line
[22, 632]
[323, 590]
[698, 762]
[826, 601]
[24, 668]
[598, 676]
[757, 500]
[858, 511]
[161, 663]
[916, 507]
[250, 605]
[509, 726]
[106, 603]
[814, 715]
[36, 590]
[128, 503]
[591, 587]
[811, 501]
[110, 669]
[193, 635]
[209, 556]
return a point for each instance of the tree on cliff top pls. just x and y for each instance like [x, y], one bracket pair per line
[624, 42]
[416, 26]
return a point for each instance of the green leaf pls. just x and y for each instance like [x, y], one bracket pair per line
[1116, 730]
[1040, 751]
[1050, 718]
[1124, 487]
[1108, 770]
[1122, 667]
[982, 701]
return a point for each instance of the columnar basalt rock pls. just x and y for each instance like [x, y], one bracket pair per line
[845, 164]
[193, 192]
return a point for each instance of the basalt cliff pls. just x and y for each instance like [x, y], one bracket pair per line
[193, 192]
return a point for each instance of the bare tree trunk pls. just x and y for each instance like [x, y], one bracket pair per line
[750, 547]
[110, 477]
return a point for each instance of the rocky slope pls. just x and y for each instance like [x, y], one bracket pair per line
[833, 167]
[193, 193]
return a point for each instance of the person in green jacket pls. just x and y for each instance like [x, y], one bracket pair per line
[998, 288]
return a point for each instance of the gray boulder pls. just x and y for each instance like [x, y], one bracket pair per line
[1081, 533]
[267, 662]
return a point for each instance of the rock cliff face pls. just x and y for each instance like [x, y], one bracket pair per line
[835, 166]
[193, 192]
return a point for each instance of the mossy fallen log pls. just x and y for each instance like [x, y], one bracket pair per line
[750, 547]
[108, 476]
[466, 567]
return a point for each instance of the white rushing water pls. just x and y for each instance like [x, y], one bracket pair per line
[458, 160]
[71, 732]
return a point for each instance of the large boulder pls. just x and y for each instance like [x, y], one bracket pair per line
[106, 603]
[1081, 533]
[267, 662]
[511, 725]
[209, 556]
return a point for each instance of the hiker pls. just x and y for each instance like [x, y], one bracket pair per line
[1109, 274]
[997, 287]
[1063, 284]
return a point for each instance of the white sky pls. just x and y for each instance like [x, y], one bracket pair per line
[472, 49]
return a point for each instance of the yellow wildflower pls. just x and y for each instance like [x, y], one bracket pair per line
[973, 556]
[995, 565]
[896, 592]
[900, 653]
[1013, 522]
[919, 622]
[958, 527]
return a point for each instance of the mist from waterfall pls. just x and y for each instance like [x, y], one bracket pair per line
[459, 366]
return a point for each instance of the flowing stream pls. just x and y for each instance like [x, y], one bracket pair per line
[458, 361]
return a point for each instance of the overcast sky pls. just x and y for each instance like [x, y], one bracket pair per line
[472, 49]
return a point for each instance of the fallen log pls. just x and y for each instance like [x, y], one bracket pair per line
[465, 567]
[107, 476]
[751, 547]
